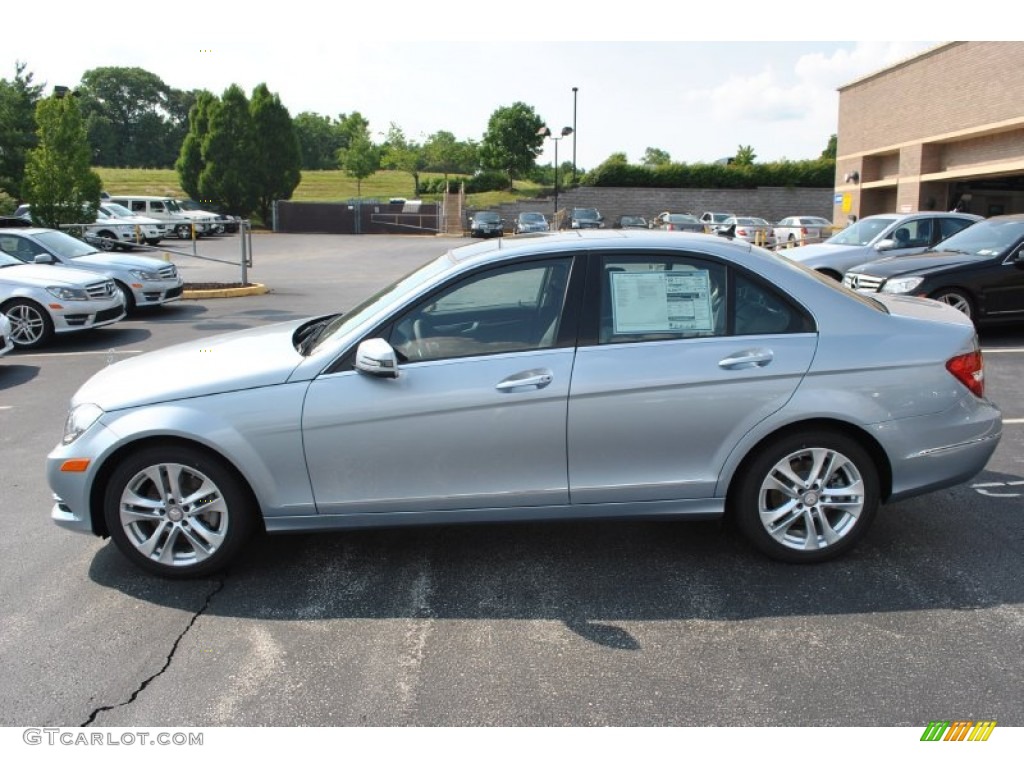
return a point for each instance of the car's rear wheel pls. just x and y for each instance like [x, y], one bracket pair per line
[177, 512]
[957, 299]
[807, 497]
[31, 325]
[183, 231]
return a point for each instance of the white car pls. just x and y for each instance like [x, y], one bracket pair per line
[159, 229]
[111, 231]
[143, 281]
[6, 343]
[801, 230]
[40, 300]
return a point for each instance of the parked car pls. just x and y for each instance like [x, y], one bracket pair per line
[585, 218]
[887, 234]
[979, 270]
[40, 300]
[6, 342]
[119, 211]
[677, 222]
[486, 224]
[802, 230]
[111, 232]
[751, 229]
[530, 222]
[624, 374]
[222, 222]
[142, 281]
[165, 209]
[631, 222]
[712, 221]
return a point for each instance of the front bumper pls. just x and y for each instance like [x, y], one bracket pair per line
[152, 293]
[82, 315]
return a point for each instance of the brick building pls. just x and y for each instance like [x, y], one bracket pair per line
[941, 129]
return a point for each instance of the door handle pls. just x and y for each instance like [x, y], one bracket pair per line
[536, 379]
[748, 358]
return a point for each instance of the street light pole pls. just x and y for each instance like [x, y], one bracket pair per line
[546, 133]
[574, 89]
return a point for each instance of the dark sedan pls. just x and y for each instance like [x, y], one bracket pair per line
[979, 270]
[486, 224]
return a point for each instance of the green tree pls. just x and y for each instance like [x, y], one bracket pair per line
[400, 154]
[125, 110]
[277, 159]
[744, 155]
[512, 142]
[59, 181]
[228, 149]
[352, 127]
[18, 99]
[320, 139]
[361, 160]
[190, 159]
[829, 153]
[446, 154]
[655, 156]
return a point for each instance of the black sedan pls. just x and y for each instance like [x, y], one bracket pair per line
[979, 270]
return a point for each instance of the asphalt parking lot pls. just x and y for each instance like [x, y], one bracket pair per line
[609, 623]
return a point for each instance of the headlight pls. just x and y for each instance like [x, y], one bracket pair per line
[68, 294]
[142, 274]
[80, 419]
[902, 284]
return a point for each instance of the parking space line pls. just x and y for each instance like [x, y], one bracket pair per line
[998, 350]
[1013, 421]
[6, 407]
[81, 354]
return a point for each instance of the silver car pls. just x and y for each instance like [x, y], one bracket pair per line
[874, 237]
[143, 281]
[6, 342]
[40, 300]
[593, 374]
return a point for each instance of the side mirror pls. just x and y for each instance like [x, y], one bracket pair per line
[885, 245]
[377, 358]
[42, 258]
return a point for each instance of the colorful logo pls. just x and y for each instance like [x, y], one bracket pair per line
[958, 730]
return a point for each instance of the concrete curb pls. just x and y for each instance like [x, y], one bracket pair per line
[226, 293]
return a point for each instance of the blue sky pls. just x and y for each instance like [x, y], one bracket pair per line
[448, 65]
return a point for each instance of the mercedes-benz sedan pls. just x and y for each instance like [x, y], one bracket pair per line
[603, 374]
[143, 281]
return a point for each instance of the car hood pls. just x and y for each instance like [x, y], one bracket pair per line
[44, 275]
[119, 261]
[257, 357]
[919, 264]
[824, 251]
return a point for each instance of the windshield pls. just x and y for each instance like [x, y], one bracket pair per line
[343, 324]
[488, 216]
[113, 209]
[861, 233]
[172, 206]
[585, 213]
[986, 238]
[65, 246]
[533, 218]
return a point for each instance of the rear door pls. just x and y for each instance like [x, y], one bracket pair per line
[680, 356]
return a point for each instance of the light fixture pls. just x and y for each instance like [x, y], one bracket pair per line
[853, 177]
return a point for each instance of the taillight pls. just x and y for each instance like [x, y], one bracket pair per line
[741, 232]
[671, 227]
[803, 231]
[969, 370]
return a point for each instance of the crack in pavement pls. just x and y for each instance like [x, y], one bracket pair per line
[170, 657]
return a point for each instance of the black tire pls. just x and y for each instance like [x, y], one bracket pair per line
[107, 241]
[183, 231]
[192, 536]
[786, 501]
[958, 299]
[152, 240]
[31, 326]
[126, 296]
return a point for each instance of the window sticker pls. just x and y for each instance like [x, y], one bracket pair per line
[661, 302]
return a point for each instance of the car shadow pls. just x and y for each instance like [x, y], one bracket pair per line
[592, 576]
[96, 339]
[12, 374]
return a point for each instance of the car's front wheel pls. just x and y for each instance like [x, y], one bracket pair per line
[957, 299]
[807, 497]
[31, 325]
[127, 297]
[177, 512]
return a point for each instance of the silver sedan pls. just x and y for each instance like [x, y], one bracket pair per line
[589, 374]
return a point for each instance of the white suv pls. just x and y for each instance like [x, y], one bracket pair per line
[166, 209]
